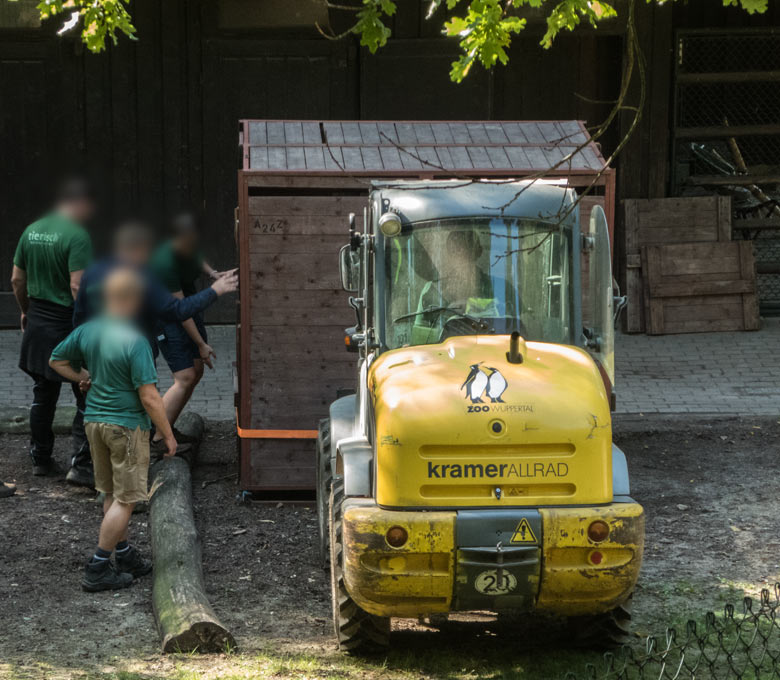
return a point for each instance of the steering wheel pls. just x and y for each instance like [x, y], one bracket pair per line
[457, 325]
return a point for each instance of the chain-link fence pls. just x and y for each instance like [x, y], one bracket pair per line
[727, 123]
[737, 645]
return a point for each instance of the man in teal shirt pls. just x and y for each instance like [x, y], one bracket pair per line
[48, 263]
[122, 402]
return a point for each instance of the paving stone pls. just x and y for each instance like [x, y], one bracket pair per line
[736, 373]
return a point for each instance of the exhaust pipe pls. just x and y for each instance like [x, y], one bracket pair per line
[513, 356]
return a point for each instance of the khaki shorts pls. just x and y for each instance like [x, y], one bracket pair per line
[121, 459]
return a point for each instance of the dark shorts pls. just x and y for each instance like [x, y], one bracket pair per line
[177, 347]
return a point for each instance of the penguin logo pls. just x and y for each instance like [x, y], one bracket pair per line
[496, 385]
[475, 384]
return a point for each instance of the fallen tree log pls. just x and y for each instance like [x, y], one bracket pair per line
[185, 619]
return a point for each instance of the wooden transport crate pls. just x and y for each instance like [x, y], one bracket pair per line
[666, 221]
[298, 183]
[698, 287]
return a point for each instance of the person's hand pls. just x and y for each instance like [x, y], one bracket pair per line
[23, 321]
[171, 445]
[206, 353]
[84, 385]
[227, 283]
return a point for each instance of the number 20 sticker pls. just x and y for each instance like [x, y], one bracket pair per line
[491, 582]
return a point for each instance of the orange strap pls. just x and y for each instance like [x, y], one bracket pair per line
[274, 434]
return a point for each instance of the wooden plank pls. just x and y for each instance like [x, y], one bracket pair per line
[391, 159]
[275, 132]
[700, 287]
[478, 157]
[257, 133]
[442, 133]
[353, 159]
[315, 160]
[369, 133]
[735, 180]
[333, 132]
[295, 158]
[322, 207]
[694, 287]
[352, 134]
[276, 240]
[311, 133]
[460, 157]
[726, 131]
[498, 157]
[651, 264]
[293, 132]
[304, 271]
[279, 465]
[258, 157]
[750, 305]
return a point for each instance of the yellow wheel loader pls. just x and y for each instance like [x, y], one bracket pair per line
[474, 468]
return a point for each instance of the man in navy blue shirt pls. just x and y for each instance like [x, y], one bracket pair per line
[133, 245]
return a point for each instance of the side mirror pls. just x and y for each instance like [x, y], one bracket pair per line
[349, 268]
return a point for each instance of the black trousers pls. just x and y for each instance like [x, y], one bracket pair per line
[46, 393]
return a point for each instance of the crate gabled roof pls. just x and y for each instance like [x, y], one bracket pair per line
[415, 147]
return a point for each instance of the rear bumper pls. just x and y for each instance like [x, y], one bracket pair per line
[435, 570]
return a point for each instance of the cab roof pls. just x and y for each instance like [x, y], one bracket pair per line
[417, 201]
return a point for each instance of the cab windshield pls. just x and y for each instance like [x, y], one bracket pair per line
[478, 275]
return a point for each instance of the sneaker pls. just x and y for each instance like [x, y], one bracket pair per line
[134, 563]
[103, 575]
[7, 490]
[81, 476]
[48, 468]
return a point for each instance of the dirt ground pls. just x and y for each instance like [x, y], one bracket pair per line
[710, 489]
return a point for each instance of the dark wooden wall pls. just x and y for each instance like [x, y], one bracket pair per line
[156, 120]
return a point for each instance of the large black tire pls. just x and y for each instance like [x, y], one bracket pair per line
[324, 479]
[603, 631]
[357, 631]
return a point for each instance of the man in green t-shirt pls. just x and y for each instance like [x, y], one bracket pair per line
[122, 402]
[179, 263]
[48, 263]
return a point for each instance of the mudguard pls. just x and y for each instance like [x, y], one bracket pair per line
[620, 483]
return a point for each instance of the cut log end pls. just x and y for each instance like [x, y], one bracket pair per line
[205, 637]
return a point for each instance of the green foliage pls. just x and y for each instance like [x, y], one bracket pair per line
[98, 19]
[484, 28]
[369, 25]
[750, 6]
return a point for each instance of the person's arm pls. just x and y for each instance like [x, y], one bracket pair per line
[64, 368]
[67, 360]
[210, 271]
[153, 405]
[75, 282]
[170, 308]
[19, 285]
[214, 274]
[204, 350]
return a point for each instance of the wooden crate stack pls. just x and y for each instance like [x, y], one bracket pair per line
[684, 273]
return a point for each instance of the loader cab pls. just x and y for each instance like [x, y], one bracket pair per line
[444, 259]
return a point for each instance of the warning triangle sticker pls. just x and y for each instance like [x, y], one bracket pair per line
[523, 533]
